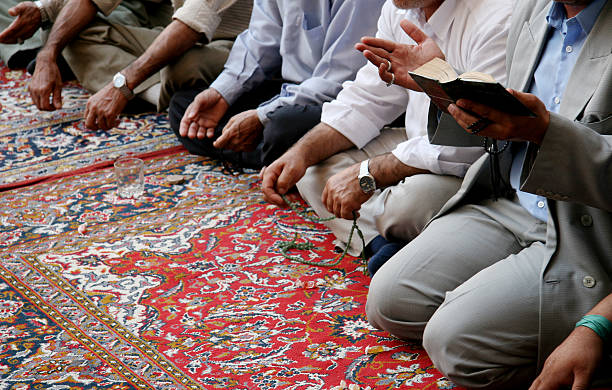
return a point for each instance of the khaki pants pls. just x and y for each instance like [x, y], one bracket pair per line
[399, 212]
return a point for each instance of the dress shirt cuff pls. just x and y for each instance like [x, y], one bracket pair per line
[441, 160]
[52, 7]
[262, 114]
[200, 16]
[350, 123]
[228, 86]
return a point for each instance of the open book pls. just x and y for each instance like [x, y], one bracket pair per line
[440, 82]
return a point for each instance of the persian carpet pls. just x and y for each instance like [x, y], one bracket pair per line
[182, 288]
[38, 144]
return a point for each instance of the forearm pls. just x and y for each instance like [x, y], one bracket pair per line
[173, 41]
[321, 142]
[72, 19]
[388, 170]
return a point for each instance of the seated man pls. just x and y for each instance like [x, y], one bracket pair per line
[493, 287]
[96, 48]
[249, 116]
[334, 161]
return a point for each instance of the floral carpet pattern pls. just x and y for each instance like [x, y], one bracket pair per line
[184, 287]
[37, 144]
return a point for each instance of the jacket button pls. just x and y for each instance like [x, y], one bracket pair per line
[588, 281]
[586, 220]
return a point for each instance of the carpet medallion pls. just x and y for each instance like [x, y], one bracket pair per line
[37, 144]
[182, 288]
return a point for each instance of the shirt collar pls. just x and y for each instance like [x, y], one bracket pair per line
[586, 18]
[442, 20]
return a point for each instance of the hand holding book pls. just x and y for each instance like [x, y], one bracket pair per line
[440, 82]
[504, 125]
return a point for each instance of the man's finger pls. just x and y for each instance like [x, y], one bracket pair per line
[184, 127]
[57, 96]
[581, 382]
[286, 180]
[268, 183]
[16, 10]
[413, 31]
[193, 130]
[224, 138]
[378, 42]
[90, 120]
[375, 58]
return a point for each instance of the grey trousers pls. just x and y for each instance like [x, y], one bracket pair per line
[399, 212]
[468, 285]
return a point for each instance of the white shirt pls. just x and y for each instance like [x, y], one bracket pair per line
[472, 35]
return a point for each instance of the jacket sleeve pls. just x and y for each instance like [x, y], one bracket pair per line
[573, 163]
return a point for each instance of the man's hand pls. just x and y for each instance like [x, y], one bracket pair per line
[242, 133]
[282, 175]
[203, 115]
[104, 107]
[46, 83]
[27, 21]
[403, 58]
[504, 126]
[342, 194]
[572, 363]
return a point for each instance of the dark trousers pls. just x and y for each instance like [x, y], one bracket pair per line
[286, 126]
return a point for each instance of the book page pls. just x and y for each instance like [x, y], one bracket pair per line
[477, 76]
[437, 69]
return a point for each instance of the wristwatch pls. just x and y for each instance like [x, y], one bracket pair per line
[45, 22]
[366, 180]
[120, 83]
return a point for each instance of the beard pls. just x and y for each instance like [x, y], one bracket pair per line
[576, 3]
[408, 4]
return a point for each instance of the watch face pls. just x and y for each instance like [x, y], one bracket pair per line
[367, 184]
[119, 80]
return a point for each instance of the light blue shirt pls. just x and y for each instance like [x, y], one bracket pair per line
[310, 42]
[565, 40]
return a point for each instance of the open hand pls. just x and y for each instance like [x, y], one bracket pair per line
[104, 107]
[342, 194]
[503, 126]
[46, 84]
[572, 363]
[403, 58]
[27, 21]
[203, 115]
[242, 132]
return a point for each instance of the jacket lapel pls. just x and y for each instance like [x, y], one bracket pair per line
[597, 49]
[528, 49]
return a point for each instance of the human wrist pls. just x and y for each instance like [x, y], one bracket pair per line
[599, 324]
[47, 56]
